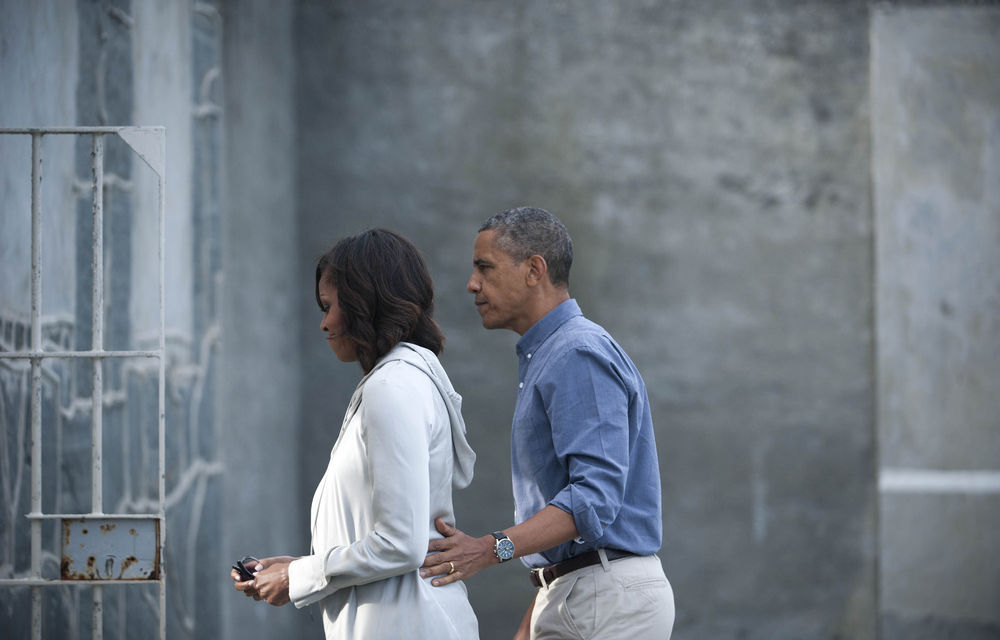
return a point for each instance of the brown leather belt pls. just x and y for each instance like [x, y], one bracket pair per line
[545, 575]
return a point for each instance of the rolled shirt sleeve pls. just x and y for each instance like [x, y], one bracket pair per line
[587, 406]
[582, 438]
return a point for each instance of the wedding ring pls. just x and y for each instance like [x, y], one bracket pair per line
[452, 570]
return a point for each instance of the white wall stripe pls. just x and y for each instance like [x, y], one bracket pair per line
[929, 481]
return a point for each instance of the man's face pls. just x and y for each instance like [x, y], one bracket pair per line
[499, 286]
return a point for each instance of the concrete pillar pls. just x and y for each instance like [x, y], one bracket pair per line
[264, 508]
[936, 175]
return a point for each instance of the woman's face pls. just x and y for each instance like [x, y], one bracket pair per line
[332, 323]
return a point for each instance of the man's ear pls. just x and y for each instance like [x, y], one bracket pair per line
[537, 270]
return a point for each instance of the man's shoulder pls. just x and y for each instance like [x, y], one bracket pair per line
[576, 340]
[583, 337]
[582, 333]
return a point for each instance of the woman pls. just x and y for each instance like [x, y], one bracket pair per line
[401, 449]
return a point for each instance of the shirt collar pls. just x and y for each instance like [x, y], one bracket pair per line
[541, 330]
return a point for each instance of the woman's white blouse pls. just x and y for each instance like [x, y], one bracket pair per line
[400, 450]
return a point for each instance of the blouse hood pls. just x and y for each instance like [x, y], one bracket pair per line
[426, 361]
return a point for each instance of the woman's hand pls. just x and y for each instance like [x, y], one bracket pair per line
[271, 582]
[266, 584]
[248, 587]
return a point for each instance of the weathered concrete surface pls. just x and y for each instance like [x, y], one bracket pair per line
[36, 93]
[711, 161]
[936, 171]
[112, 63]
[264, 512]
[937, 177]
[162, 77]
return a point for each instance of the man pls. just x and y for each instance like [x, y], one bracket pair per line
[583, 458]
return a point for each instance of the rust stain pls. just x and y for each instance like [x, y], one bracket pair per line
[89, 574]
[126, 563]
[155, 573]
[107, 527]
[133, 532]
[83, 531]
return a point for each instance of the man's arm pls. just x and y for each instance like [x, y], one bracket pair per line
[524, 631]
[548, 528]
[593, 437]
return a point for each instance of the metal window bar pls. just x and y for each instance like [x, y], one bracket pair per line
[149, 143]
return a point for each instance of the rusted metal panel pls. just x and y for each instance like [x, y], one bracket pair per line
[111, 549]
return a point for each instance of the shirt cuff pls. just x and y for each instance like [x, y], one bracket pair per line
[588, 524]
[307, 582]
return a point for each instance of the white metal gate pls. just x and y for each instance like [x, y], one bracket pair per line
[98, 549]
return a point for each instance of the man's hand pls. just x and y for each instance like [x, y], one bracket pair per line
[457, 556]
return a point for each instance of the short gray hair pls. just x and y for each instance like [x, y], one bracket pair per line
[527, 231]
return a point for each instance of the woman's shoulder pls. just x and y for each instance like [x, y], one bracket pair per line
[396, 374]
[398, 389]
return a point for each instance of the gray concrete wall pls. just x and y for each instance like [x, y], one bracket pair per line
[36, 92]
[936, 170]
[263, 510]
[711, 161]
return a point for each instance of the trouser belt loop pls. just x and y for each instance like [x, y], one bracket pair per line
[604, 559]
[540, 573]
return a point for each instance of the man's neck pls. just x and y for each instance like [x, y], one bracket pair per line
[544, 304]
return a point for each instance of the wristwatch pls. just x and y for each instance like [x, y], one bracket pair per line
[504, 547]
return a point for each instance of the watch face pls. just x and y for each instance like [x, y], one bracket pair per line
[505, 549]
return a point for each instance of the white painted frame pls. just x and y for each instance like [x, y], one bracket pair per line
[149, 143]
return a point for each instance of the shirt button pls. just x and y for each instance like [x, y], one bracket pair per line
[529, 356]
[520, 385]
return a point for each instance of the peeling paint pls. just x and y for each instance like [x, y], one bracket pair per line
[115, 553]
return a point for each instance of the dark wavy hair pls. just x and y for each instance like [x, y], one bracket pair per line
[384, 292]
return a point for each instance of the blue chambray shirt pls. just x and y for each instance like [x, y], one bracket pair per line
[582, 438]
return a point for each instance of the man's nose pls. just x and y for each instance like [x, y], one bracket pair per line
[473, 285]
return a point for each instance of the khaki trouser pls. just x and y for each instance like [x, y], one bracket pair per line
[629, 598]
